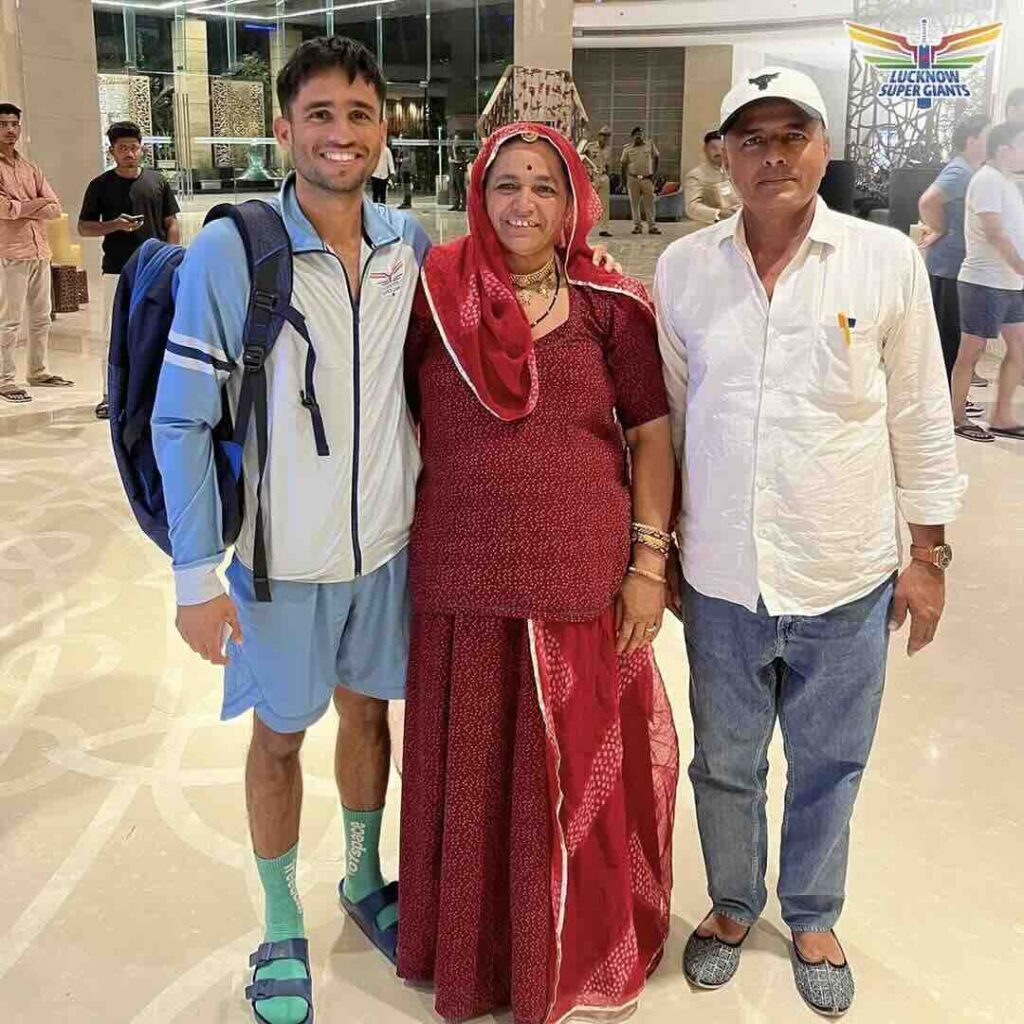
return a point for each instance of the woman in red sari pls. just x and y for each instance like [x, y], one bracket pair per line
[540, 761]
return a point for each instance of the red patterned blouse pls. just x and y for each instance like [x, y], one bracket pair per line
[531, 518]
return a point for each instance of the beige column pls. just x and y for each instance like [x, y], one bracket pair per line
[543, 34]
[707, 77]
[48, 68]
[192, 86]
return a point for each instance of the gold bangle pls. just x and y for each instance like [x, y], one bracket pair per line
[639, 530]
[635, 570]
[660, 548]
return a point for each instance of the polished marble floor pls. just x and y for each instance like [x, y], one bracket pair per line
[128, 893]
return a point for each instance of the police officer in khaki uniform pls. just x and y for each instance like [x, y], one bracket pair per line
[597, 156]
[639, 165]
[707, 189]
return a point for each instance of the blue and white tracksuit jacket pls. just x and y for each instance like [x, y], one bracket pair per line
[326, 518]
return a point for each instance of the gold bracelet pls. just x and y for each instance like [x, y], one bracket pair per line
[639, 530]
[635, 570]
[659, 547]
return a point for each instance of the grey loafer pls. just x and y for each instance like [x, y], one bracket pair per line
[823, 986]
[710, 962]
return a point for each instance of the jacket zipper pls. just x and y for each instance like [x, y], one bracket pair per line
[357, 554]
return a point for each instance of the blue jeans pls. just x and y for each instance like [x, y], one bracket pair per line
[822, 675]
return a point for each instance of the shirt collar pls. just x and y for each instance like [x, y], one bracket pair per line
[376, 230]
[824, 228]
[12, 162]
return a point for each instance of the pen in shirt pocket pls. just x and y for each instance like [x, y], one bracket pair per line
[845, 324]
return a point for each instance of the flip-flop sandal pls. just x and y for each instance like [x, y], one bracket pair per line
[51, 380]
[365, 912]
[16, 395]
[1015, 432]
[274, 988]
[972, 432]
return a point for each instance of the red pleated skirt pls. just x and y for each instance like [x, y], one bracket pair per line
[538, 791]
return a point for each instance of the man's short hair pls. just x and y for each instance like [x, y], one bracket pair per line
[636, 130]
[10, 108]
[1015, 99]
[712, 135]
[123, 130]
[1003, 135]
[328, 53]
[968, 128]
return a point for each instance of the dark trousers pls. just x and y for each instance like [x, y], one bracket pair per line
[407, 188]
[458, 180]
[946, 300]
[380, 189]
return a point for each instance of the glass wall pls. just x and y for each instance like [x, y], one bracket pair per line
[209, 76]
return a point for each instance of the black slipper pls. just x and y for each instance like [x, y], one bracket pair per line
[1014, 432]
[972, 432]
[16, 395]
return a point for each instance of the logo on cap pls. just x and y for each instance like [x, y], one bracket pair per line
[762, 80]
[922, 71]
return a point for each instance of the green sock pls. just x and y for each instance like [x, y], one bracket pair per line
[362, 860]
[283, 921]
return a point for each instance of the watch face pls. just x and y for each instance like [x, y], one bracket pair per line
[944, 556]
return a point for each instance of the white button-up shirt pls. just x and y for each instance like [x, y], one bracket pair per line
[802, 424]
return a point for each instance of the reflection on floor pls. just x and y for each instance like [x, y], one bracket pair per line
[128, 892]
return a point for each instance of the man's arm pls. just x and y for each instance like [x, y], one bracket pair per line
[992, 225]
[203, 348]
[929, 486]
[172, 229]
[27, 209]
[657, 157]
[931, 208]
[693, 196]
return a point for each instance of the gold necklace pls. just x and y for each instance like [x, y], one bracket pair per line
[539, 282]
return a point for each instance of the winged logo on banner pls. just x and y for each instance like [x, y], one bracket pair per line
[889, 50]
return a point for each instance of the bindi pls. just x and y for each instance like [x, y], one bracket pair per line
[529, 167]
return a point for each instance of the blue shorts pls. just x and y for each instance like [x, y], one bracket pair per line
[983, 311]
[313, 637]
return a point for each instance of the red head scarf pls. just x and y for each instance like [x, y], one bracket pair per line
[470, 291]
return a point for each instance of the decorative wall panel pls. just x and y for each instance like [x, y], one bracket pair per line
[238, 112]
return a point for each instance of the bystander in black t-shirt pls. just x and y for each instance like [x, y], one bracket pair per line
[110, 195]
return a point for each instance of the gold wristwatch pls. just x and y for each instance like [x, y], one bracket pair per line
[941, 556]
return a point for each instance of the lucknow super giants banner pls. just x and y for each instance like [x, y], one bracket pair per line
[923, 71]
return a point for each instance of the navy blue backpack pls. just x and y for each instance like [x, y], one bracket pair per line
[142, 316]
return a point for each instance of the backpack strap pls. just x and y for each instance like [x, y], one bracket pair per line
[269, 256]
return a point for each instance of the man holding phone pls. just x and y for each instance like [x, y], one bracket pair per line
[124, 206]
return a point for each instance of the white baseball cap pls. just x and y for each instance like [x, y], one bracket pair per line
[773, 83]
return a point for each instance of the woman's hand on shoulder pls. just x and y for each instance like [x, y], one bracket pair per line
[604, 260]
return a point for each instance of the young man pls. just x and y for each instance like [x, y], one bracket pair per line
[639, 165]
[941, 208]
[707, 190]
[802, 422]
[337, 524]
[991, 279]
[124, 206]
[382, 174]
[26, 201]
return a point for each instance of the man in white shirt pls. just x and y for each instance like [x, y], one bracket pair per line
[383, 172]
[809, 405]
[991, 281]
